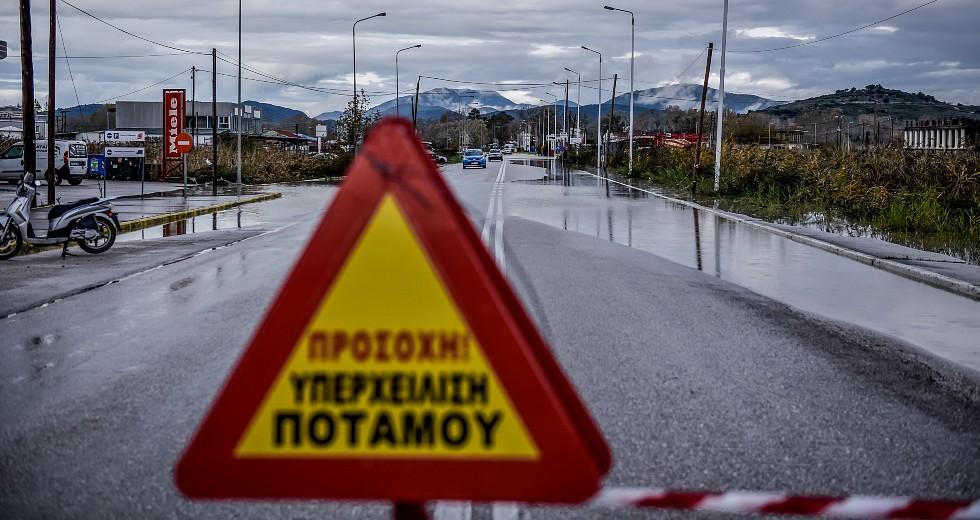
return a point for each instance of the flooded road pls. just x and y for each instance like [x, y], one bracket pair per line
[108, 362]
[809, 279]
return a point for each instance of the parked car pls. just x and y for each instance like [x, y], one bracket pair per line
[495, 155]
[474, 157]
[70, 161]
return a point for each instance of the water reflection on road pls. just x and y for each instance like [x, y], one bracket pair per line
[807, 278]
[235, 218]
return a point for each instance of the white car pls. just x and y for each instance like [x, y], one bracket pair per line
[70, 161]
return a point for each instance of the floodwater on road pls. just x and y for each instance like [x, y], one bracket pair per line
[235, 218]
[809, 279]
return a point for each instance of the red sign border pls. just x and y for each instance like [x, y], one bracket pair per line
[573, 453]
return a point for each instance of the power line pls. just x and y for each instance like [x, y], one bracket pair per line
[128, 56]
[482, 83]
[144, 88]
[120, 29]
[872, 24]
[68, 61]
[323, 90]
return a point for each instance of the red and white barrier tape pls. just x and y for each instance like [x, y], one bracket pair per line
[782, 504]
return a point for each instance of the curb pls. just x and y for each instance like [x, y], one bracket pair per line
[156, 220]
[918, 274]
[143, 223]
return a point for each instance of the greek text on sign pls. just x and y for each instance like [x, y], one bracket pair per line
[122, 151]
[369, 383]
[396, 363]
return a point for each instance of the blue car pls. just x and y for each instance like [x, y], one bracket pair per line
[474, 157]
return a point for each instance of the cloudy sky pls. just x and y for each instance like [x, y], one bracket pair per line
[935, 49]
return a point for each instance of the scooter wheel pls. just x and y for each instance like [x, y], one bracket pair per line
[10, 243]
[107, 236]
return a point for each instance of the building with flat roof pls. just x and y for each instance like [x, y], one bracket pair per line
[148, 117]
[12, 123]
[947, 134]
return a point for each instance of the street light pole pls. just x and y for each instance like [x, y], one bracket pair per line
[353, 37]
[398, 92]
[598, 141]
[632, 56]
[719, 138]
[578, 104]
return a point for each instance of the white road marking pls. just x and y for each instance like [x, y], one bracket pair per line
[453, 511]
[507, 511]
[498, 239]
[494, 191]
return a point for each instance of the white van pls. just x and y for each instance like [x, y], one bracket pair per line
[70, 161]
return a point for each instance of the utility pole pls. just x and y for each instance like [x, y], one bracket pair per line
[839, 140]
[415, 107]
[214, 122]
[194, 104]
[578, 104]
[719, 135]
[700, 128]
[612, 117]
[238, 107]
[27, 88]
[52, 50]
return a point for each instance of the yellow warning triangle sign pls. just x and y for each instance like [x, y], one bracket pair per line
[397, 364]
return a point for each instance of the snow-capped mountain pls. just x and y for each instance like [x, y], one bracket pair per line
[435, 102]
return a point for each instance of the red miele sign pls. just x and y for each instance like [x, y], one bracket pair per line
[173, 121]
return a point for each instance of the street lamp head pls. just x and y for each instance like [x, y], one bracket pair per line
[609, 8]
[382, 14]
[416, 46]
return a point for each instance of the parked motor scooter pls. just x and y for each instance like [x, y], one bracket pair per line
[89, 222]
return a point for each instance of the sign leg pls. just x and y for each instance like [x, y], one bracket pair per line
[410, 511]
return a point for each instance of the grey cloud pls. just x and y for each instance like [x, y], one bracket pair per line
[308, 41]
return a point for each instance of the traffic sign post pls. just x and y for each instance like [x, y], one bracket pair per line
[123, 136]
[396, 364]
[184, 145]
[125, 152]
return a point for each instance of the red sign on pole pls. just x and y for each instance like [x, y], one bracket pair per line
[173, 121]
[184, 143]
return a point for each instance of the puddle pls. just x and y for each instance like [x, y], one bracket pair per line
[217, 221]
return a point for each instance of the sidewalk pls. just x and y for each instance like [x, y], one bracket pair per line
[165, 203]
[947, 272]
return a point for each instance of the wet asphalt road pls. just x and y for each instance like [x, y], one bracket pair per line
[696, 382]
